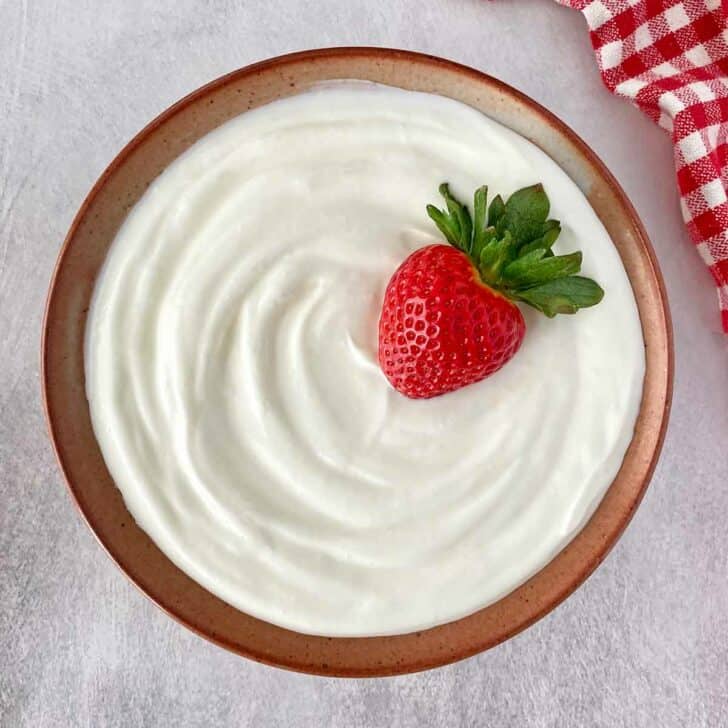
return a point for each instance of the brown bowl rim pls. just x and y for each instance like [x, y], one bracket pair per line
[300, 663]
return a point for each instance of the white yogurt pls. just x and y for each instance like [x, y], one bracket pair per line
[235, 392]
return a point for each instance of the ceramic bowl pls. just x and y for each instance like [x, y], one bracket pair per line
[101, 504]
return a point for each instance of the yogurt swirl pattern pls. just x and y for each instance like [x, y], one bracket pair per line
[235, 392]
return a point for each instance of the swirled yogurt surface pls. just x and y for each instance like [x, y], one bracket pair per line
[236, 396]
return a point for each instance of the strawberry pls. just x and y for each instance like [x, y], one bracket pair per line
[449, 316]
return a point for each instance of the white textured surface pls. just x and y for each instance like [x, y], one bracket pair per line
[643, 643]
[273, 462]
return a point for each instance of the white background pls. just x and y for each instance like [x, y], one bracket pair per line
[643, 643]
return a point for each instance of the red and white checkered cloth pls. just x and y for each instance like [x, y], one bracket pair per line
[670, 58]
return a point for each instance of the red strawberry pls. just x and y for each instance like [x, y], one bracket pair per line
[441, 327]
[449, 317]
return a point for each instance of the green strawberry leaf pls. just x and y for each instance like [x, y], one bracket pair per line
[565, 295]
[545, 241]
[446, 225]
[497, 254]
[480, 203]
[460, 213]
[495, 211]
[522, 265]
[525, 213]
[480, 241]
[532, 273]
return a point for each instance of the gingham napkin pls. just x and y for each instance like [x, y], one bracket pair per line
[671, 60]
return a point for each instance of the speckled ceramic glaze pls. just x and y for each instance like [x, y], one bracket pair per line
[101, 503]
